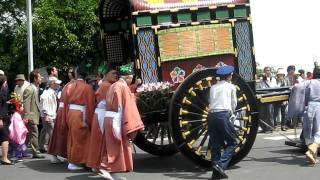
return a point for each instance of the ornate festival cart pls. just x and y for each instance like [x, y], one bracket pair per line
[181, 42]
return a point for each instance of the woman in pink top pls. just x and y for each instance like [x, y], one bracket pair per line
[18, 129]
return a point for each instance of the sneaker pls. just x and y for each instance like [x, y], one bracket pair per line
[55, 160]
[73, 167]
[105, 174]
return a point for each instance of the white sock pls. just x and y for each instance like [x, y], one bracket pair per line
[74, 167]
[55, 158]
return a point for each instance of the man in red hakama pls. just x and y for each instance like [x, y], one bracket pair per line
[122, 123]
[97, 128]
[79, 108]
[58, 141]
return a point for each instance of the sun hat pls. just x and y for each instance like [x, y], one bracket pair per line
[281, 71]
[20, 77]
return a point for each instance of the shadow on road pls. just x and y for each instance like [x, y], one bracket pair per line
[46, 167]
[175, 166]
[146, 163]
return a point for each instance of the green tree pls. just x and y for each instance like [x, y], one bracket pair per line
[64, 33]
[11, 13]
[11, 16]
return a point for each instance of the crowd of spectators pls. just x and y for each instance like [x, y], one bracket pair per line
[271, 115]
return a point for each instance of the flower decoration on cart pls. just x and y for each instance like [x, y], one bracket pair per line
[154, 87]
[153, 96]
[177, 75]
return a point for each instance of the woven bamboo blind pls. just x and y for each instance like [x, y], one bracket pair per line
[195, 41]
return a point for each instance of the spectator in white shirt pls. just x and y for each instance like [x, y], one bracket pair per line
[48, 111]
[280, 108]
[268, 81]
[301, 77]
[266, 110]
[21, 85]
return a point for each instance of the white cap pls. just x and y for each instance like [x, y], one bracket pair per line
[281, 71]
[1, 72]
[54, 80]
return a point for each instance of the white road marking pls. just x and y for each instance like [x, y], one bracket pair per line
[277, 138]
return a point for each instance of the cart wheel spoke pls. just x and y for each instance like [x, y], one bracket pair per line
[156, 135]
[169, 135]
[162, 134]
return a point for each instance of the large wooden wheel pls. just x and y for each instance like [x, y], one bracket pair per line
[156, 138]
[188, 117]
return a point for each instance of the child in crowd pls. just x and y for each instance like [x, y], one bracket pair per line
[18, 129]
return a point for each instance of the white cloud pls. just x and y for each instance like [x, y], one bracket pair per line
[286, 32]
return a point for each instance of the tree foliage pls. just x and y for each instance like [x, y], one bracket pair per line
[11, 13]
[11, 17]
[64, 33]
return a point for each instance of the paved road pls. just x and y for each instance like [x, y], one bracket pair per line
[269, 159]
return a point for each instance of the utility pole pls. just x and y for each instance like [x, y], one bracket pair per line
[30, 41]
